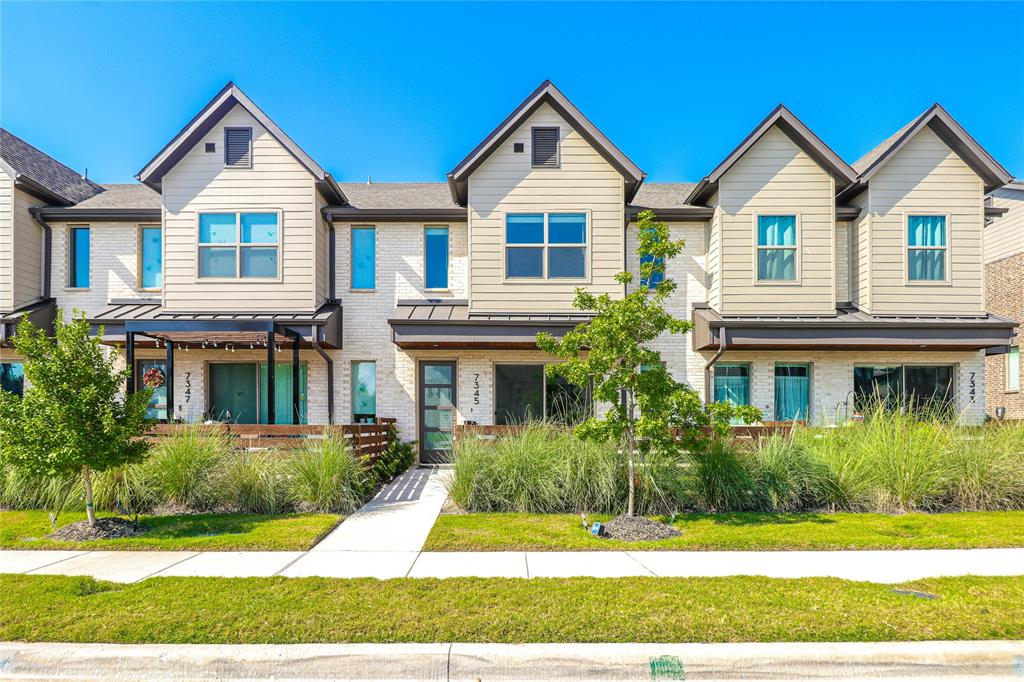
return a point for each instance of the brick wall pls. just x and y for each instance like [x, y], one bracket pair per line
[1004, 295]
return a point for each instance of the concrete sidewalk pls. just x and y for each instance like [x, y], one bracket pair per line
[874, 566]
[996, 660]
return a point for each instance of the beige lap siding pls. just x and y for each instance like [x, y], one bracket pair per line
[6, 241]
[276, 181]
[506, 182]
[832, 378]
[28, 251]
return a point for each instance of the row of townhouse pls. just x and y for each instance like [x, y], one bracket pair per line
[266, 291]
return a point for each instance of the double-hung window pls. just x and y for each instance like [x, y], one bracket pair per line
[435, 256]
[233, 245]
[776, 248]
[364, 258]
[151, 271]
[545, 246]
[78, 257]
[926, 248]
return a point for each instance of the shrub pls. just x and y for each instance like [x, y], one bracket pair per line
[251, 481]
[395, 459]
[325, 476]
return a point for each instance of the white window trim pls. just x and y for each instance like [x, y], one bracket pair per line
[68, 286]
[796, 248]
[138, 261]
[238, 244]
[352, 258]
[1006, 367]
[544, 278]
[947, 263]
[447, 256]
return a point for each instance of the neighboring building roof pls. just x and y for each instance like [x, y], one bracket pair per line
[668, 201]
[796, 131]
[545, 93]
[123, 195]
[223, 102]
[950, 132]
[400, 195]
[40, 173]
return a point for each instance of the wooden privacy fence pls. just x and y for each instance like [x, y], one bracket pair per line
[365, 439]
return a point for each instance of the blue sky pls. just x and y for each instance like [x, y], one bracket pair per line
[403, 91]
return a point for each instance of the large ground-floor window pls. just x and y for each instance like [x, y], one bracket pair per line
[12, 377]
[792, 391]
[919, 386]
[238, 392]
[523, 392]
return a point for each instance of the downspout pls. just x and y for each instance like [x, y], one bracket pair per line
[722, 343]
[331, 258]
[315, 340]
[47, 249]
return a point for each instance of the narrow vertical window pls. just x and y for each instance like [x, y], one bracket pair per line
[792, 392]
[78, 260]
[435, 250]
[364, 258]
[364, 392]
[776, 248]
[1013, 369]
[657, 274]
[926, 248]
[151, 271]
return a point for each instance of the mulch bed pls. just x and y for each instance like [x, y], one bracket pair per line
[107, 528]
[638, 529]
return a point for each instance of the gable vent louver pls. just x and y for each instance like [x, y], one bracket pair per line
[545, 147]
[238, 147]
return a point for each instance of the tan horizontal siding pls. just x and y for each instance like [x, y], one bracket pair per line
[28, 250]
[1005, 236]
[776, 176]
[6, 242]
[926, 176]
[506, 182]
[276, 181]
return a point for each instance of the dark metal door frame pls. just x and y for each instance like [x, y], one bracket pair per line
[434, 456]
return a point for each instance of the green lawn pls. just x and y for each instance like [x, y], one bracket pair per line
[551, 532]
[740, 609]
[212, 532]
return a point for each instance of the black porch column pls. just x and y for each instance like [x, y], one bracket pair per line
[295, 381]
[270, 378]
[169, 380]
[129, 357]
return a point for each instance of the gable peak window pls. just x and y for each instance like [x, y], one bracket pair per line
[544, 147]
[926, 248]
[234, 245]
[776, 248]
[238, 147]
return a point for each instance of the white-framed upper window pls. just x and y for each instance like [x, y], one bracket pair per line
[926, 248]
[778, 244]
[239, 245]
[238, 147]
[546, 246]
[1013, 369]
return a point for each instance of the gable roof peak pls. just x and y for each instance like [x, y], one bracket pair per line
[799, 133]
[39, 174]
[545, 93]
[224, 101]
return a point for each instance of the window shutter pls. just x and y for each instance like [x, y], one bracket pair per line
[545, 147]
[238, 147]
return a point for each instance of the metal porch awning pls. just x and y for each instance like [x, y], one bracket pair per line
[41, 313]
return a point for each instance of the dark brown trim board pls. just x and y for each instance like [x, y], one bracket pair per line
[42, 314]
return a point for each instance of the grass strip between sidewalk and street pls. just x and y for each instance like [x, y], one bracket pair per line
[290, 610]
[737, 531]
[197, 532]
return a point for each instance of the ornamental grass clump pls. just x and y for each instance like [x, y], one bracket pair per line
[986, 470]
[251, 481]
[719, 478]
[183, 466]
[325, 476]
[784, 475]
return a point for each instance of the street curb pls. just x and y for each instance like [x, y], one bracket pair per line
[992, 660]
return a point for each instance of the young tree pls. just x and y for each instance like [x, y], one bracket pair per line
[648, 409]
[72, 417]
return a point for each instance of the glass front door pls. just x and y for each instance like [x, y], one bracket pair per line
[437, 411]
[158, 403]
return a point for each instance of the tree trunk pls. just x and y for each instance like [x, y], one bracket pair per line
[630, 450]
[87, 485]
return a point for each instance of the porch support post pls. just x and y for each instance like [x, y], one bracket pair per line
[169, 380]
[129, 353]
[295, 381]
[270, 378]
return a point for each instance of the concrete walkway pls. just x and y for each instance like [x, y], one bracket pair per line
[872, 566]
[996, 660]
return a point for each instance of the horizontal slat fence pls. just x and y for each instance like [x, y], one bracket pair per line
[741, 433]
[366, 439]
